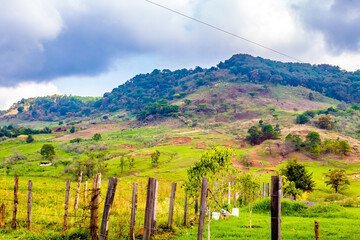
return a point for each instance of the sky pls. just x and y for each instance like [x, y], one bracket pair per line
[88, 47]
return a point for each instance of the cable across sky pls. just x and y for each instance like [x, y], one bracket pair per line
[224, 31]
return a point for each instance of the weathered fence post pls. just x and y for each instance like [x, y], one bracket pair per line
[2, 215]
[133, 212]
[67, 197]
[94, 206]
[317, 233]
[172, 204]
[204, 189]
[85, 192]
[185, 209]
[16, 188]
[79, 177]
[276, 207]
[110, 194]
[196, 206]
[149, 210]
[153, 221]
[229, 193]
[263, 192]
[29, 201]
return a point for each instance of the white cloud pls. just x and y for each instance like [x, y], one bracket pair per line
[10, 95]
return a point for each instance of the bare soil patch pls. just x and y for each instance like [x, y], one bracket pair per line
[300, 104]
[126, 146]
[200, 145]
[180, 140]
[89, 132]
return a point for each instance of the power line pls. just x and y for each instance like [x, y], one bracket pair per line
[224, 31]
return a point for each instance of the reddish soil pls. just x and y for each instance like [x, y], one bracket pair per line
[246, 115]
[237, 164]
[141, 155]
[301, 105]
[89, 132]
[180, 140]
[126, 146]
[200, 145]
[267, 171]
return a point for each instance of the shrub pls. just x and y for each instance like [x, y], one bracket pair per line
[288, 208]
[302, 119]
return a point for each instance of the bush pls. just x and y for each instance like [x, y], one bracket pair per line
[288, 208]
[302, 119]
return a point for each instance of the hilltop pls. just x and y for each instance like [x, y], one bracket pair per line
[139, 92]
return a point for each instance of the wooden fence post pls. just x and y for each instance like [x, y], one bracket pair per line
[263, 192]
[317, 233]
[94, 206]
[229, 193]
[79, 177]
[204, 189]
[29, 201]
[149, 210]
[2, 215]
[16, 188]
[85, 192]
[276, 207]
[172, 204]
[67, 197]
[153, 222]
[196, 206]
[185, 209]
[110, 195]
[133, 212]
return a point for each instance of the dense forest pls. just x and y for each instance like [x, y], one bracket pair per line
[140, 92]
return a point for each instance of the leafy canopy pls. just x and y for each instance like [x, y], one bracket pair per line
[213, 164]
[337, 179]
[297, 173]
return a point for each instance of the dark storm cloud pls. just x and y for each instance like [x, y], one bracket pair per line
[338, 21]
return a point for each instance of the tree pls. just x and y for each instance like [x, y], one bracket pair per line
[344, 147]
[337, 179]
[96, 137]
[213, 164]
[255, 135]
[311, 96]
[48, 151]
[297, 173]
[253, 94]
[131, 161]
[289, 188]
[249, 188]
[155, 158]
[313, 141]
[29, 138]
[302, 119]
[187, 101]
[324, 122]
[20, 109]
[72, 129]
[122, 162]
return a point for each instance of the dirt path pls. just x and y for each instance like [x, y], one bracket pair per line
[89, 133]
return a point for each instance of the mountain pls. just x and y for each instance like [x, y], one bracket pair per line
[144, 89]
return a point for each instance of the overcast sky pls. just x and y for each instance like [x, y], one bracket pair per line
[88, 47]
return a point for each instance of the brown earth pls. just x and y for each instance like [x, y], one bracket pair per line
[126, 146]
[179, 140]
[200, 145]
[89, 132]
[300, 104]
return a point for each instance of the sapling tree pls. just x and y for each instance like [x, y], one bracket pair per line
[131, 161]
[250, 186]
[337, 179]
[213, 164]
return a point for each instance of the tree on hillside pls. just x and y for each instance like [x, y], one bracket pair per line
[96, 137]
[213, 164]
[47, 151]
[297, 173]
[29, 139]
[344, 147]
[250, 189]
[289, 188]
[325, 122]
[302, 119]
[337, 179]
[313, 142]
[155, 158]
